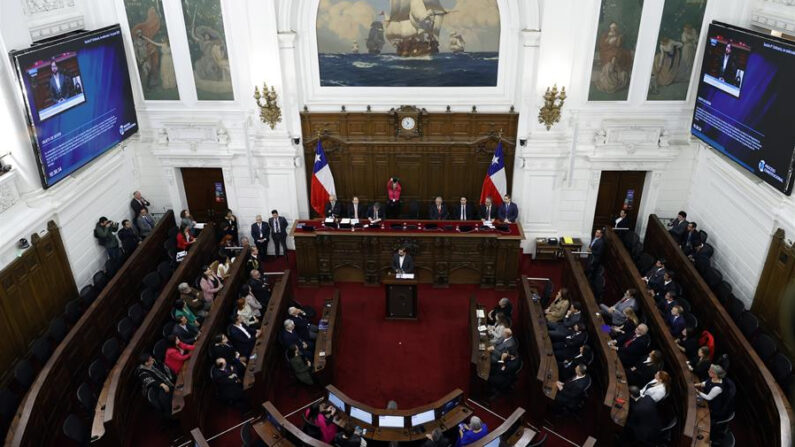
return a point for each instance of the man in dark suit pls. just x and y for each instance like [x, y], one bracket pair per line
[402, 261]
[259, 287]
[654, 277]
[375, 213]
[728, 66]
[676, 321]
[678, 226]
[667, 303]
[137, 203]
[668, 285]
[289, 336]
[303, 327]
[60, 85]
[228, 384]
[622, 222]
[570, 345]
[488, 211]
[463, 211]
[634, 349]
[356, 210]
[508, 343]
[691, 239]
[597, 248]
[260, 233]
[701, 254]
[571, 394]
[186, 332]
[243, 337]
[508, 211]
[279, 230]
[333, 208]
[558, 331]
[503, 375]
[438, 210]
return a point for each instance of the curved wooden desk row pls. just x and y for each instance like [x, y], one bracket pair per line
[193, 393]
[121, 396]
[763, 398]
[52, 395]
[693, 420]
[538, 349]
[327, 337]
[266, 347]
[615, 405]
[480, 358]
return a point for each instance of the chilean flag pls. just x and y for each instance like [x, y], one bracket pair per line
[322, 181]
[495, 184]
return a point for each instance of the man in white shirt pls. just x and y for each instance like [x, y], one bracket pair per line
[488, 212]
[402, 261]
[464, 211]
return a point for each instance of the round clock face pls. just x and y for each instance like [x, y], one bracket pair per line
[408, 123]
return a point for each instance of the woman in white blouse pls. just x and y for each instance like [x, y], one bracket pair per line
[496, 331]
[251, 300]
[245, 312]
[658, 388]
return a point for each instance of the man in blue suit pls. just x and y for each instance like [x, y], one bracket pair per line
[508, 212]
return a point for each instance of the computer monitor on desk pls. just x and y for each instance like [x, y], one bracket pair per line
[494, 442]
[391, 421]
[423, 418]
[447, 407]
[364, 416]
[333, 399]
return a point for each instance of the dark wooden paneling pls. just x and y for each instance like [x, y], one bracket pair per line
[758, 395]
[450, 159]
[774, 301]
[52, 395]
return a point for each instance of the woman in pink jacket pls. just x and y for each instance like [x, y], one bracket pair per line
[393, 189]
[210, 284]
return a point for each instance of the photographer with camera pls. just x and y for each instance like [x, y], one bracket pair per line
[104, 232]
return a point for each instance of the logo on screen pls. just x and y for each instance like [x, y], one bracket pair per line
[761, 166]
[121, 129]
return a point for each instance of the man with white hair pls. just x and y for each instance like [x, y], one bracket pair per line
[194, 299]
[503, 306]
[333, 208]
[290, 336]
[507, 344]
[305, 329]
[469, 433]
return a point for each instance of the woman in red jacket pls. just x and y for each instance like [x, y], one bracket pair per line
[184, 239]
[393, 189]
[177, 353]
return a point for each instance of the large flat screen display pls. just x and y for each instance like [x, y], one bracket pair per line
[744, 104]
[78, 99]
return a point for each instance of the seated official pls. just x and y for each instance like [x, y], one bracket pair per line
[570, 344]
[667, 303]
[436, 438]
[243, 338]
[221, 348]
[177, 353]
[185, 238]
[700, 254]
[259, 287]
[623, 332]
[210, 283]
[333, 208]
[558, 307]
[691, 239]
[488, 212]
[615, 313]
[676, 321]
[181, 309]
[186, 332]
[654, 277]
[193, 298]
[356, 210]
[321, 416]
[504, 307]
[350, 436]
[559, 331]
[302, 368]
[305, 329]
[469, 433]
[437, 210]
[158, 379]
[402, 261]
[228, 384]
[566, 367]
[571, 394]
[508, 211]
[644, 371]
[290, 337]
[701, 364]
[251, 300]
[246, 313]
[634, 349]
[464, 210]
[503, 375]
[375, 213]
[497, 331]
[719, 392]
[508, 343]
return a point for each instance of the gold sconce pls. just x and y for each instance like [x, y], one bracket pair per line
[553, 102]
[269, 113]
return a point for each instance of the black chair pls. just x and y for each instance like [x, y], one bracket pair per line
[765, 347]
[57, 330]
[718, 429]
[781, 367]
[685, 304]
[97, 372]
[645, 262]
[86, 397]
[636, 252]
[112, 266]
[748, 324]
[9, 401]
[728, 440]
[703, 236]
[152, 281]
[136, 313]
[702, 265]
[713, 278]
[75, 429]
[735, 308]
[41, 351]
[631, 239]
[72, 312]
[539, 442]
[172, 233]
[24, 374]
[159, 350]
[111, 350]
[164, 270]
[723, 292]
[87, 295]
[125, 329]
[100, 280]
[691, 320]
[311, 429]
[168, 328]
[148, 298]
[666, 433]
[414, 210]
[724, 362]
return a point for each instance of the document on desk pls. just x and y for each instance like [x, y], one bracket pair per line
[329, 220]
[405, 276]
[481, 313]
[482, 328]
[198, 226]
[345, 221]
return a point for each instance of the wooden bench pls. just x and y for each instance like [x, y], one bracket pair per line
[509, 432]
[326, 339]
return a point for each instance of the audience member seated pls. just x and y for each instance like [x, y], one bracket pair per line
[504, 307]
[469, 433]
[718, 391]
[623, 332]
[193, 298]
[321, 415]
[129, 239]
[645, 422]
[228, 384]
[676, 320]
[691, 239]
[301, 366]
[243, 338]
[496, 331]
[186, 332]
[657, 389]
[436, 439]
[655, 276]
[700, 365]
[570, 345]
[259, 287]
[508, 342]
[503, 375]
[687, 342]
[156, 378]
[251, 300]
[185, 238]
[679, 226]
[644, 371]
[566, 367]
[701, 254]
[176, 353]
[181, 309]
[210, 284]
[145, 223]
[349, 437]
[558, 307]
[571, 394]
[289, 337]
[246, 313]
[667, 303]
[559, 331]
[632, 351]
[186, 220]
[224, 264]
[668, 285]
[305, 329]
[615, 313]
[221, 348]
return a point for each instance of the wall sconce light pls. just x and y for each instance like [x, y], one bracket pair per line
[448, 109]
[368, 108]
[522, 142]
[474, 109]
[553, 102]
[296, 140]
[269, 113]
[343, 109]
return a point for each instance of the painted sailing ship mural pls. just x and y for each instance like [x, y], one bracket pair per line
[410, 43]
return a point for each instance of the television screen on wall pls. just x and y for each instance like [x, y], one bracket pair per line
[744, 103]
[78, 99]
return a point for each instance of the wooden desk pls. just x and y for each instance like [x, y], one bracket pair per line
[450, 420]
[608, 371]
[194, 391]
[275, 429]
[401, 298]
[51, 397]
[481, 358]
[769, 412]
[327, 338]
[509, 432]
[538, 350]
[547, 251]
[121, 398]
[442, 257]
[693, 420]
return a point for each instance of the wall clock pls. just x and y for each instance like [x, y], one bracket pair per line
[407, 121]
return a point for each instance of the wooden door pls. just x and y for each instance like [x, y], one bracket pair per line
[618, 190]
[206, 193]
[774, 301]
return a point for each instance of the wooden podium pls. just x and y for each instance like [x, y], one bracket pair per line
[401, 298]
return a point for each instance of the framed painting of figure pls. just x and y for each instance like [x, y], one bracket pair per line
[152, 49]
[209, 55]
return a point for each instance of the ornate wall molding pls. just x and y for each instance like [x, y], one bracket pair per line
[9, 195]
[35, 7]
[778, 15]
[647, 133]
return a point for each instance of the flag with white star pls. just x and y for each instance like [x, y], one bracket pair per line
[495, 185]
[322, 181]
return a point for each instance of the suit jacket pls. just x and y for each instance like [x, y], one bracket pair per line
[259, 287]
[597, 249]
[302, 325]
[509, 212]
[623, 223]
[488, 214]
[635, 351]
[677, 325]
[362, 210]
[63, 89]
[503, 346]
[573, 392]
[129, 240]
[665, 288]
[371, 213]
[665, 307]
[568, 321]
[557, 310]
[137, 206]
[242, 343]
[570, 345]
[186, 334]
[435, 214]
[257, 233]
[502, 379]
[408, 263]
[690, 240]
[678, 229]
[228, 383]
[292, 338]
[455, 212]
[282, 227]
[333, 210]
[145, 225]
[655, 277]
[618, 316]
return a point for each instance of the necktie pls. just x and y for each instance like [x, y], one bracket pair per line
[375, 214]
[463, 213]
[355, 211]
[276, 224]
[439, 211]
[629, 342]
[488, 212]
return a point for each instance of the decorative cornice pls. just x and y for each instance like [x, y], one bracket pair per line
[9, 195]
[778, 15]
[35, 7]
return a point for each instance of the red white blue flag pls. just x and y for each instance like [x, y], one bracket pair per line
[496, 183]
[322, 181]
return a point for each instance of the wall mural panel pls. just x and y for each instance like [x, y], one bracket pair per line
[408, 43]
[677, 44]
[204, 24]
[617, 36]
[152, 49]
